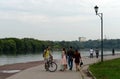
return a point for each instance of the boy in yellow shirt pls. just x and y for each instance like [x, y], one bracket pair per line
[46, 56]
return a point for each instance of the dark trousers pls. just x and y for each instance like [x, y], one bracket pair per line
[70, 63]
[91, 55]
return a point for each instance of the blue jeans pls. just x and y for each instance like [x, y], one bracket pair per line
[70, 63]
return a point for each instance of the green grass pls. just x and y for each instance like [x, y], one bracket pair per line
[107, 69]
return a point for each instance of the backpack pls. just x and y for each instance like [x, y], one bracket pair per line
[44, 53]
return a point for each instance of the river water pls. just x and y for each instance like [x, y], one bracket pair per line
[37, 57]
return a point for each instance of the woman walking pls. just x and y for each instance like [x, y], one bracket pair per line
[77, 57]
[63, 60]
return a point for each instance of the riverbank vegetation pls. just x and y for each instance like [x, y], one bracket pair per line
[16, 45]
[107, 69]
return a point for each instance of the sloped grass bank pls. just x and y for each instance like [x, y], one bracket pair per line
[106, 70]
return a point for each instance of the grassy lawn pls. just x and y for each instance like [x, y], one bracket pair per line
[107, 69]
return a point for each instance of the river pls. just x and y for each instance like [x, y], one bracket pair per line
[37, 57]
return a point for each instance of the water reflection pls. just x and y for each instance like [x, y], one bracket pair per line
[37, 57]
[24, 58]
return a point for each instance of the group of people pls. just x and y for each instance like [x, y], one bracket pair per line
[67, 58]
[96, 51]
[92, 52]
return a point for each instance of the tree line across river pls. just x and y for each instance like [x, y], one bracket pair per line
[14, 46]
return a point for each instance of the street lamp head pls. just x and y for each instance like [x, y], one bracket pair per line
[96, 9]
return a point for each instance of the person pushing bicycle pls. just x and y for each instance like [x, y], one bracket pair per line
[47, 55]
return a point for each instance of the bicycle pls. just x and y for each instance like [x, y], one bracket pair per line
[50, 65]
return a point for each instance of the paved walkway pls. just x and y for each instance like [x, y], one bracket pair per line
[40, 73]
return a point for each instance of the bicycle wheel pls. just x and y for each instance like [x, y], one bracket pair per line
[52, 67]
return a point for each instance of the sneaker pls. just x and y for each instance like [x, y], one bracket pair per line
[70, 69]
[61, 70]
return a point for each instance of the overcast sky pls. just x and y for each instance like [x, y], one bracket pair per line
[58, 20]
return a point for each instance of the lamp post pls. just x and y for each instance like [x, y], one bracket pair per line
[101, 17]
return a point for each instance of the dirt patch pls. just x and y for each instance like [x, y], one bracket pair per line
[86, 72]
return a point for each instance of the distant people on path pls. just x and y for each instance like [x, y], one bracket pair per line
[97, 52]
[113, 51]
[70, 55]
[91, 51]
[63, 60]
[46, 55]
[77, 57]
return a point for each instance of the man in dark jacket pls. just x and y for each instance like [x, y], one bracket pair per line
[70, 55]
